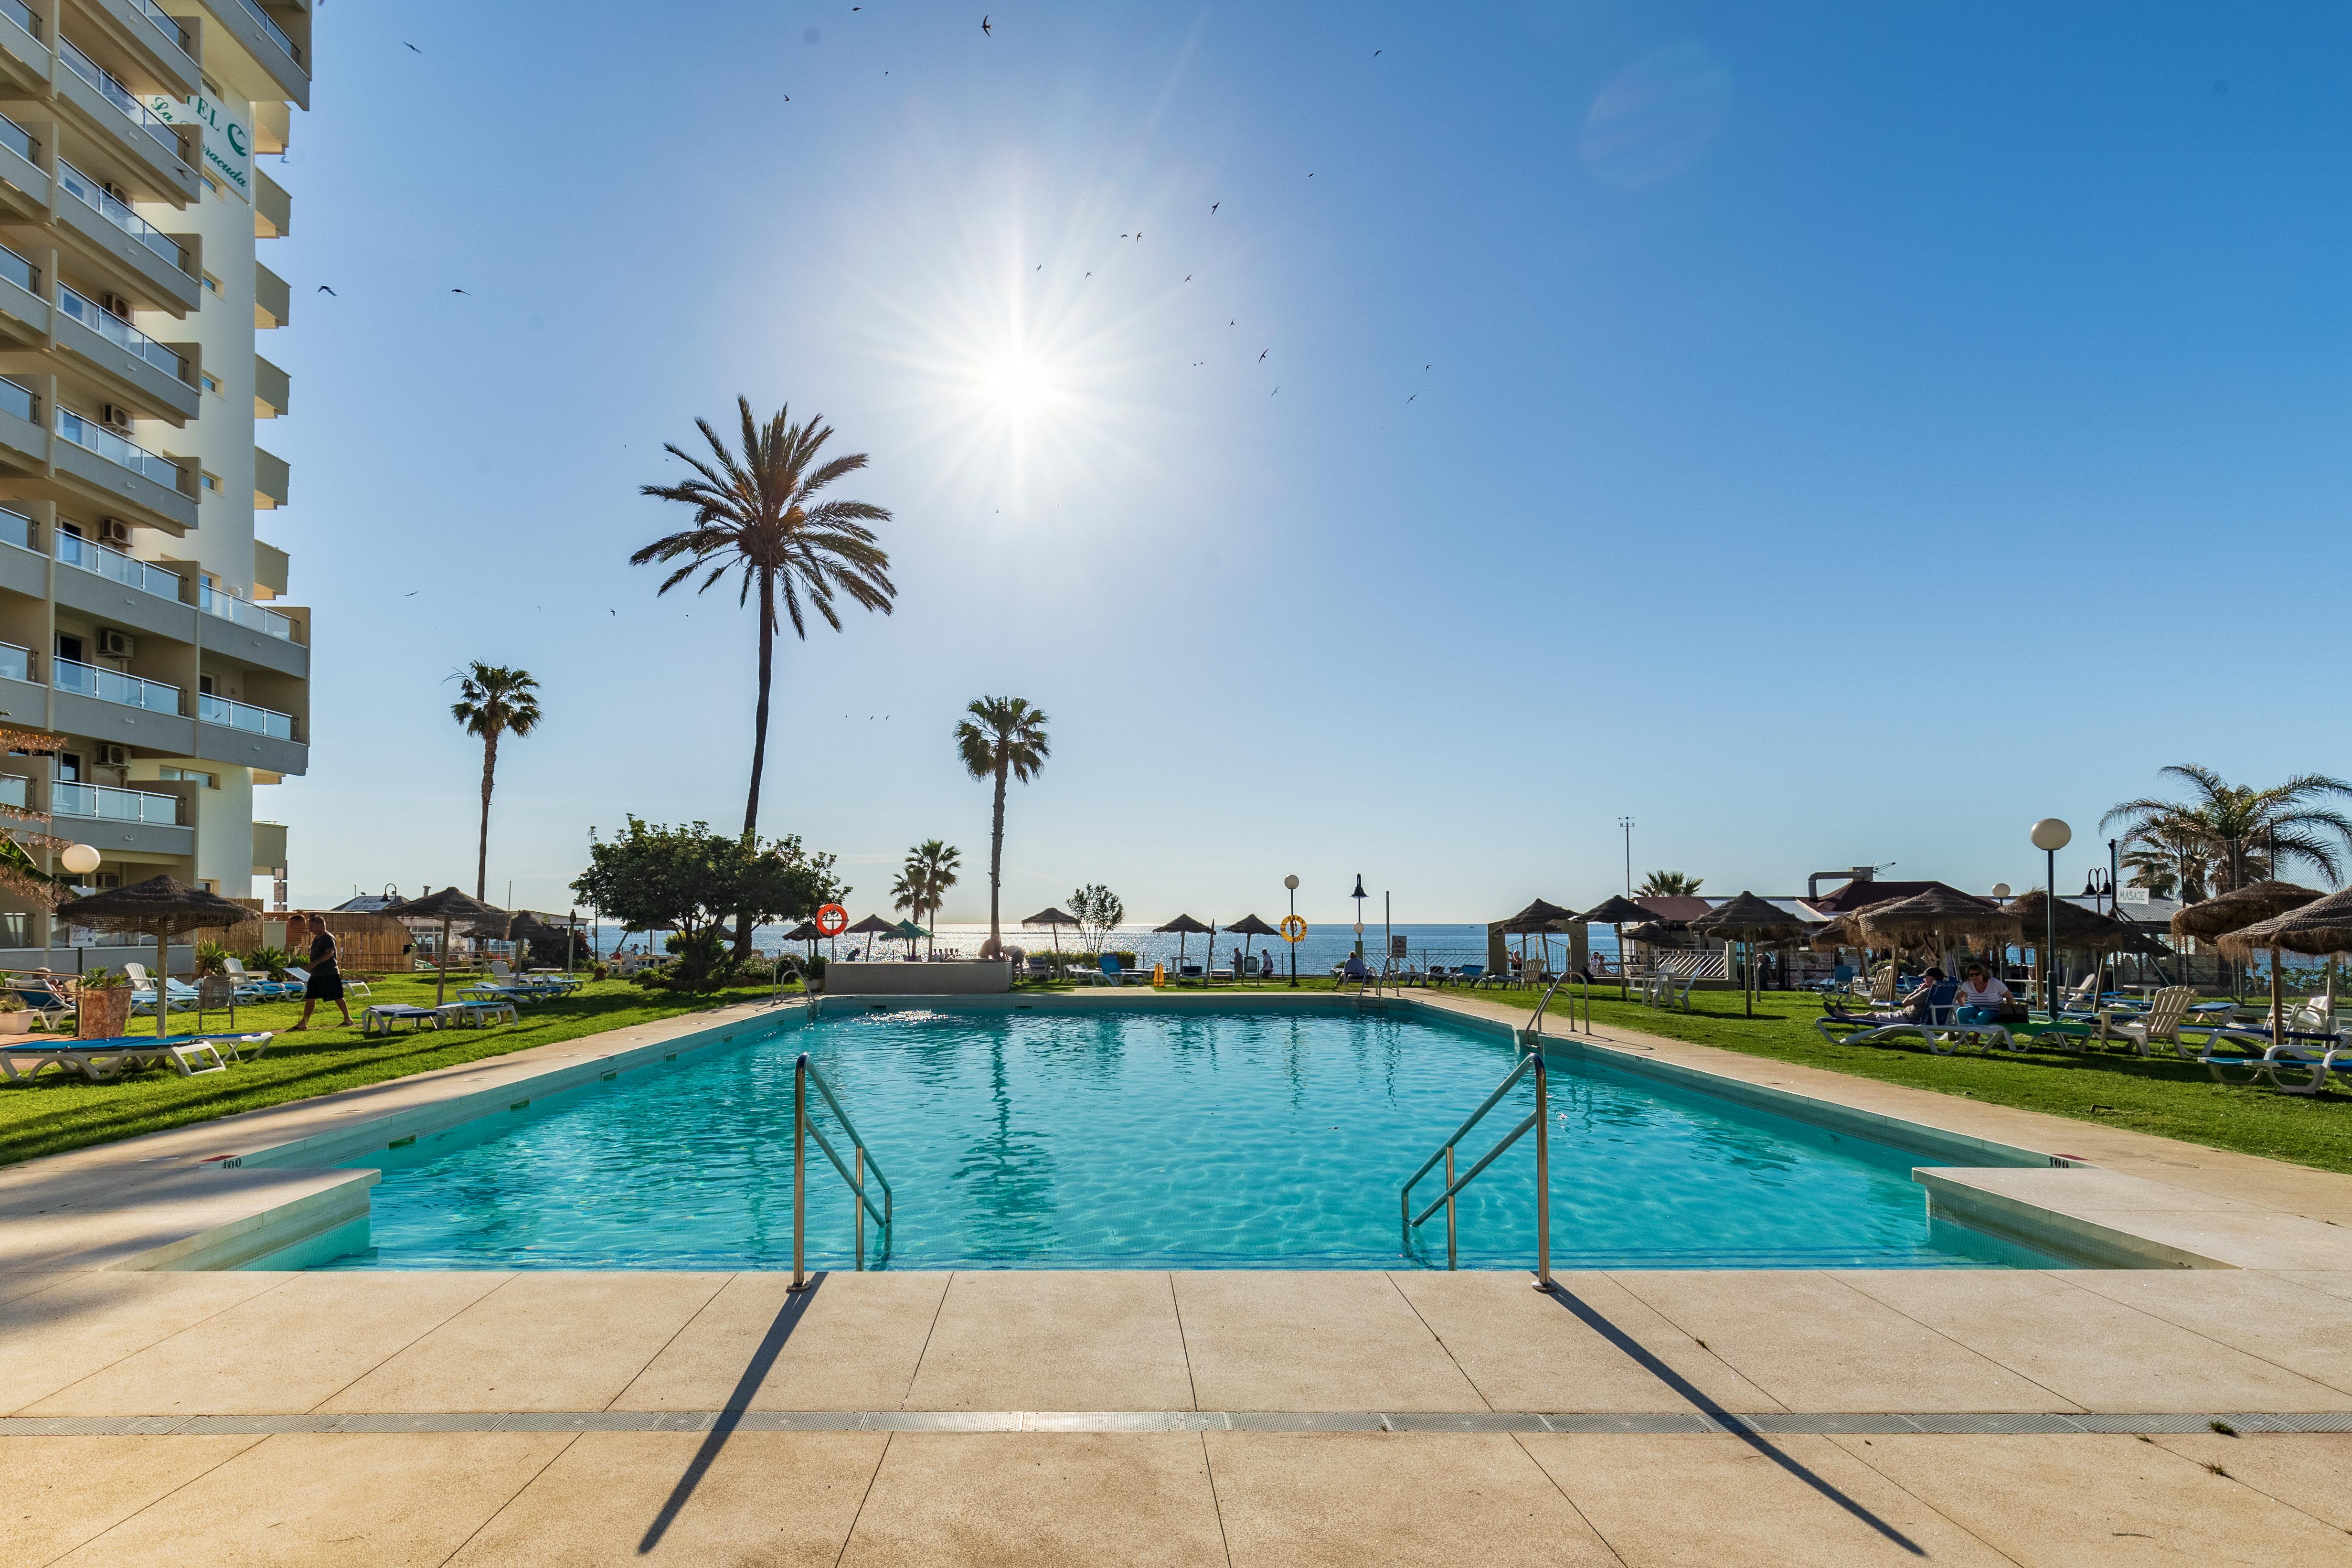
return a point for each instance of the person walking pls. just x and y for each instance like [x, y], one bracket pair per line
[326, 980]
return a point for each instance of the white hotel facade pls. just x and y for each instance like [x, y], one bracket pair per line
[144, 620]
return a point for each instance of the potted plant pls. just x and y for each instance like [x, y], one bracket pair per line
[102, 1000]
[15, 1018]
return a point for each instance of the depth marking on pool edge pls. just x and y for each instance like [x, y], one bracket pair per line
[1843, 1423]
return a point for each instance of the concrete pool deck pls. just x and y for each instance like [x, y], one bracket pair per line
[150, 1411]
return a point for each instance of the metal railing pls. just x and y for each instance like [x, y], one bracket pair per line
[16, 790]
[228, 606]
[1534, 1019]
[245, 716]
[17, 11]
[113, 686]
[110, 804]
[16, 527]
[130, 572]
[269, 26]
[1539, 1121]
[16, 139]
[84, 189]
[19, 400]
[803, 1074]
[165, 21]
[117, 331]
[115, 93]
[19, 271]
[92, 436]
[16, 663]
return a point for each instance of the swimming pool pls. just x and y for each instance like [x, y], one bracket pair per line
[1139, 1137]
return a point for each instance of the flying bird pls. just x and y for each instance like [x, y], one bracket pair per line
[986, 28]
[410, 595]
[324, 290]
[1376, 54]
[1214, 207]
[459, 292]
[412, 47]
[1188, 278]
[1261, 354]
[1275, 392]
[1410, 399]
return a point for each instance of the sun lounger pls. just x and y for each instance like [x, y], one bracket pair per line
[49, 1009]
[476, 1012]
[105, 1061]
[2167, 1011]
[385, 1017]
[301, 982]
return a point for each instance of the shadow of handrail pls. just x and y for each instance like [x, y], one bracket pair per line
[1591, 1317]
[755, 1373]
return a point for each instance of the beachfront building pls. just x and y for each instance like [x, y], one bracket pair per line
[145, 628]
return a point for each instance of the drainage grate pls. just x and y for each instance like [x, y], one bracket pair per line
[1833, 1422]
[1996, 1424]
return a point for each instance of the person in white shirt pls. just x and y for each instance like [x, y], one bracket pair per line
[1979, 988]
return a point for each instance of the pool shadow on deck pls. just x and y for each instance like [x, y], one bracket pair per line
[1591, 1317]
[755, 1373]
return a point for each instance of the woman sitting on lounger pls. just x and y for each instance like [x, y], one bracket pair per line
[1981, 996]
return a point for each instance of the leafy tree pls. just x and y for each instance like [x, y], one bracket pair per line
[492, 701]
[696, 880]
[1099, 912]
[757, 514]
[1670, 884]
[1003, 738]
[2237, 833]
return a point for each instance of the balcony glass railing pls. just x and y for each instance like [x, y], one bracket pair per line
[16, 529]
[16, 663]
[244, 612]
[115, 329]
[269, 26]
[19, 271]
[82, 188]
[90, 435]
[115, 93]
[113, 686]
[18, 401]
[16, 139]
[132, 573]
[110, 804]
[17, 11]
[15, 790]
[164, 19]
[243, 716]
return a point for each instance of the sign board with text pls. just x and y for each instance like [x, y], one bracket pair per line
[227, 139]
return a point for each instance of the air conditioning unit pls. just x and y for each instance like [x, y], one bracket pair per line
[114, 414]
[113, 644]
[114, 756]
[113, 530]
[115, 305]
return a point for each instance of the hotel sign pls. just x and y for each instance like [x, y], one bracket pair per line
[229, 140]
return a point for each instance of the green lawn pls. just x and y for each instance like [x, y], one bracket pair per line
[59, 1113]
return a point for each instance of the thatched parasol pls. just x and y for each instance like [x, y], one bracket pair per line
[2320, 928]
[1835, 934]
[1540, 919]
[1749, 918]
[163, 905]
[1935, 914]
[1056, 919]
[1251, 926]
[2081, 928]
[1185, 926]
[2240, 908]
[872, 925]
[1614, 913]
[446, 906]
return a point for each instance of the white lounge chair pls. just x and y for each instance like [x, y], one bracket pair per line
[2168, 1010]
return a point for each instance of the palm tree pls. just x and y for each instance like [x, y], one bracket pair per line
[1670, 884]
[493, 702]
[1003, 738]
[2241, 833]
[756, 513]
[923, 881]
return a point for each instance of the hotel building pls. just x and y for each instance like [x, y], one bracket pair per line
[144, 620]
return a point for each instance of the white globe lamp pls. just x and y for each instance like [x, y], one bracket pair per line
[80, 860]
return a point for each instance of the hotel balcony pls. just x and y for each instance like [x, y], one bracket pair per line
[23, 184]
[273, 302]
[113, 111]
[112, 231]
[122, 819]
[119, 470]
[154, 374]
[24, 58]
[24, 314]
[154, 36]
[249, 736]
[110, 705]
[275, 37]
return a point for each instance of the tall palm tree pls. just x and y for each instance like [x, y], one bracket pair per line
[756, 514]
[922, 883]
[493, 702]
[1003, 738]
[1670, 884]
[2243, 834]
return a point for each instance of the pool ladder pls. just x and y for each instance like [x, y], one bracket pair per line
[1538, 1120]
[804, 1073]
[1582, 993]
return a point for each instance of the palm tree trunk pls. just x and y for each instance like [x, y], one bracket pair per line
[759, 742]
[996, 860]
[482, 849]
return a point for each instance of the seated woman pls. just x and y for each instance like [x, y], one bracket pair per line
[1980, 996]
[1932, 1002]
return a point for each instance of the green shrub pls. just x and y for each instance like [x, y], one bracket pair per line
[212, 958]
[269, 961]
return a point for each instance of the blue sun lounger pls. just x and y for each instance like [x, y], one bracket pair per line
[104, 1060]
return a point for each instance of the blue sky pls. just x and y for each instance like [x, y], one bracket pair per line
[1829, 434]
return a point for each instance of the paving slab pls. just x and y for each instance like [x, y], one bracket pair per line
[2333, 1282]
[299, 1501]
[2240, 1240]
[284, 1350]
[1349, 1498]
[550, 1341]
[53, 1338]
[1525, 1350]
[26, 1282]
[1275, 1341]
[2285, 1319]
[2090, 1348]
[1009, 1340]
[852, 1346]
[2306, 1471]
[63, 1491]
[2096, 1501]
[1671, 1502]
[1814, 1342]
[774, 1498]
[1035, 1499]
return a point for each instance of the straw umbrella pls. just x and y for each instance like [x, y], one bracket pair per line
[446, 906]
[2240, 908]
[1539, 919]
[872, 925]
[2310, 919]
[1750, 920]
[2069, 925]
[1937, 914]
[1614, 915]
[1054, 918]
[163, 905]
[1186, 926]
[1253, 927]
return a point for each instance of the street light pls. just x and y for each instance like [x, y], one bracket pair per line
[2051, 835]
[1359, 896]
[1291, 883]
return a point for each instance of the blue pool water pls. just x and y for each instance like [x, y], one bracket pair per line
[1131, 1138]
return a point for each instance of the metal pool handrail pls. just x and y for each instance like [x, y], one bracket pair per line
[1534, 1019]
[1532, 1062]
[803, 1074]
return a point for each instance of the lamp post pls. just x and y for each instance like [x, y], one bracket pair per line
[1359, 896]
[2051, 835]
[1291, 883]
[80, 861]
[1627, 824]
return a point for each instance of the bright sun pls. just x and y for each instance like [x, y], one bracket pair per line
[1018, 384]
